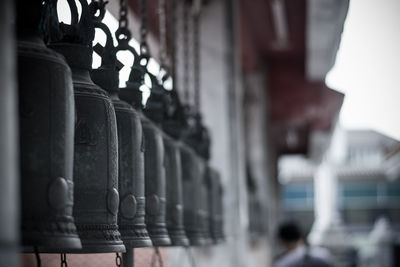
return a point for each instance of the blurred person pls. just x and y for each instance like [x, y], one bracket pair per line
[297, 253]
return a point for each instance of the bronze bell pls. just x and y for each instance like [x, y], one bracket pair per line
[158, 109]
[130, 148]
[198, 139]
[194, 213]
[173, 170]
[215, 205]
[155, 183]
[46, 139]
[96, 143]
[206, 196]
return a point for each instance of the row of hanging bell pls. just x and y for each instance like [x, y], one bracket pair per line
[48, 224]
[58, 216]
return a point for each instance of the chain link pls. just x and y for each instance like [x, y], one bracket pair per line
[186, 71]
[123, 34]
[172, 43]
[118, 260]
[162, 25]
[63, 257]
[123, 13]
[156, 256]
[144, 48]
[196, 60]
[37, 256]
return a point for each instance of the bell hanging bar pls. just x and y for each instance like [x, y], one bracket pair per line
[96, 143]
[46, 137]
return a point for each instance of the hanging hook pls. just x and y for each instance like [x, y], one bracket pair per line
[144, 48]
[118, 260]
[63, 257]
[38, 261]
[156, 256]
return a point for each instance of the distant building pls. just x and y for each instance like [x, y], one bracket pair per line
[368, 183]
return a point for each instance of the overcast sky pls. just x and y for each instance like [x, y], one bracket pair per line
[367, 67]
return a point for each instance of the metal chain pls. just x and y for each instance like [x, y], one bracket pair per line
[172, 43]
[162, 25]
[196, 60]
[123, 34]
[144, 49]
[118, 260]
[123, 13]
[37, 256]
[156, 255]
[186, 71]
[63, 257]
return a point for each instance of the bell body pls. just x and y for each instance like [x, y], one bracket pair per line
[155, 183]
[195, 210]
[206, 204]
[131, 217]
[95, 158]
[173, 171]
[215, 206]
[46, 148]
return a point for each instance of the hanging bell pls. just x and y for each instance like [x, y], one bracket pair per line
[46, 139]
[131, 221]
[157, 109]
[173, 169]
[194, 214]
[155, 183]
[215, 206]
[198, 140]
[207, 203]
[96, 147]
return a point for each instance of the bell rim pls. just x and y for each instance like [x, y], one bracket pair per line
[160, 241]
[179, 241]
[138, 242]
[197, 241]
[52, 245]
[95, 248]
